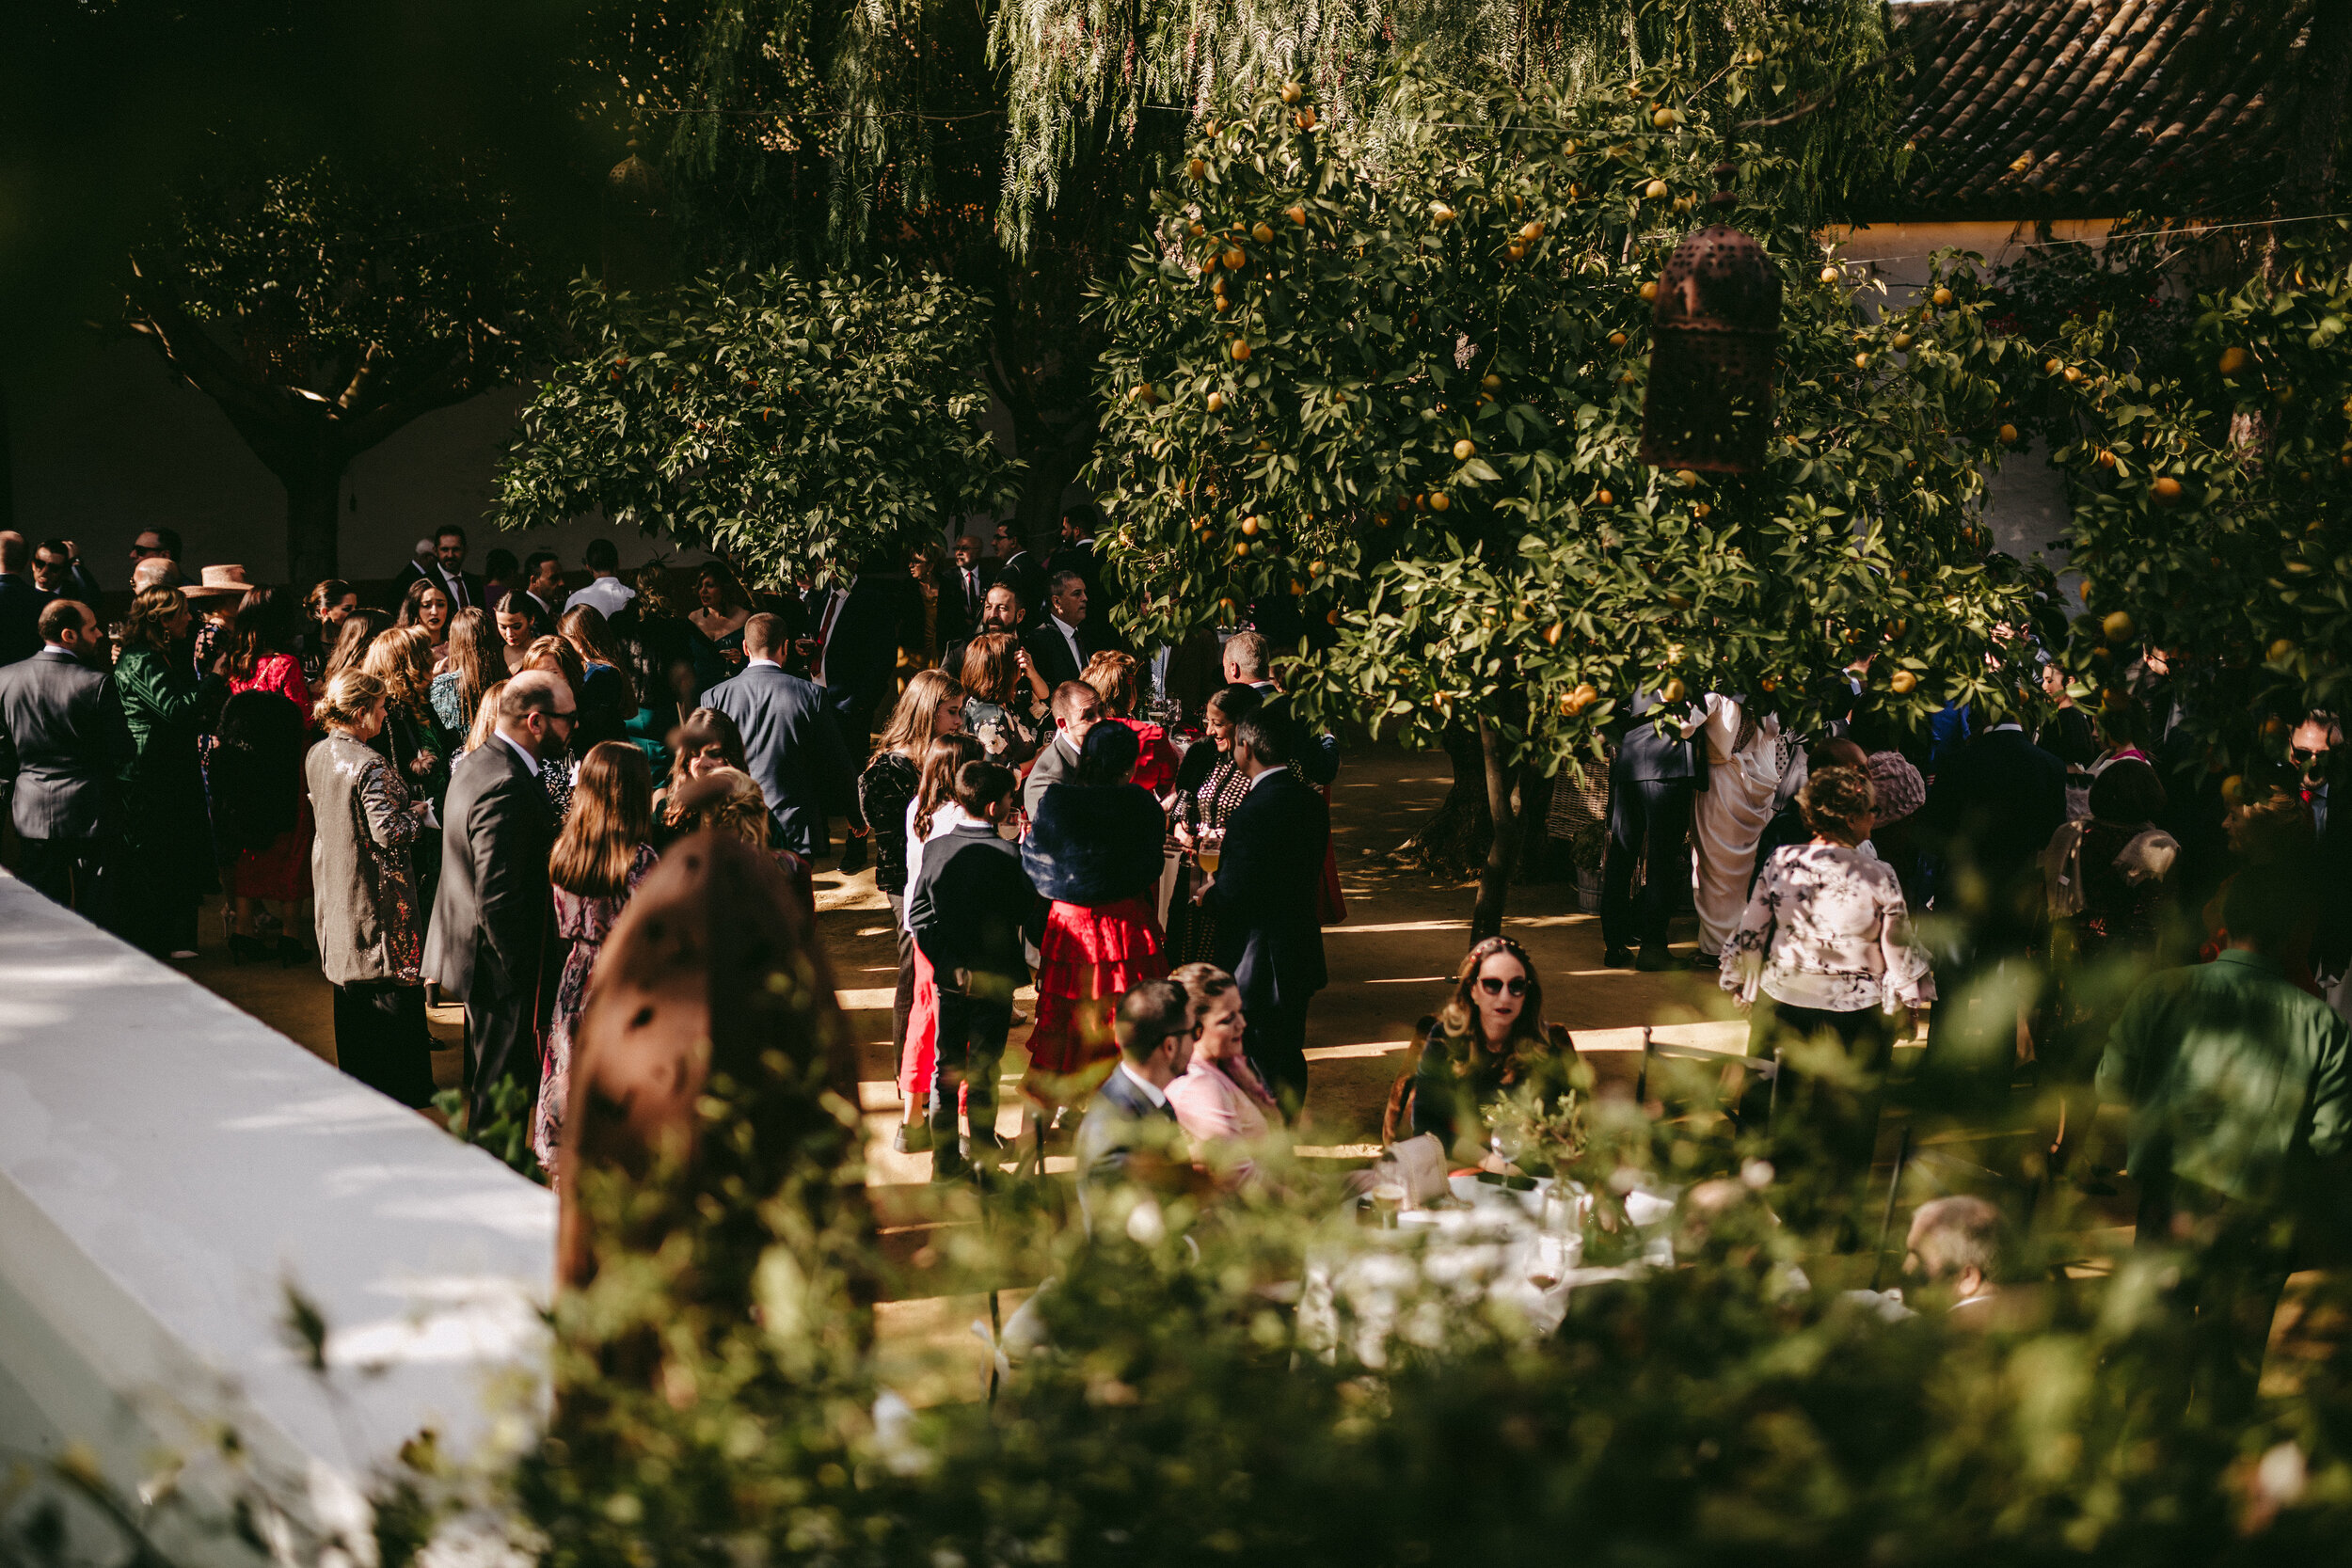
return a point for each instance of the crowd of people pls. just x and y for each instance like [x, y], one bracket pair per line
[466, 786]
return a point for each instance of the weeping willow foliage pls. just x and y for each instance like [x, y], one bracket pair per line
[1080, 72]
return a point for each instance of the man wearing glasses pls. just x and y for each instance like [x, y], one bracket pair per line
[154, 543]
[2312, 747]
[57, 569]
[489, 937]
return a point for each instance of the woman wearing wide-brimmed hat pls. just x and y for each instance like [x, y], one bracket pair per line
[214, 597]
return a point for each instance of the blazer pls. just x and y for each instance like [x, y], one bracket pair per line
[970, 906]
[1055, 765]
[362, 863]
[2003, 797]
[1049, 651]
[1079, 558]
[1120, 1121]
[794, 748]
[1269, 932]
[1314, 753]
[951, 587]
[861, 654]
[496, 835]
[63, 745]
[21, 604]
[1644, 756]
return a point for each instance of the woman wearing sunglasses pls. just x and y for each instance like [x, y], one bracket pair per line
[1489, 1040]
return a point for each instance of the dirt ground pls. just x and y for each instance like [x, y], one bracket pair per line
[1391, 962]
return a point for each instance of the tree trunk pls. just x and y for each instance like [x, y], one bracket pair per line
[1494, 878]
[315, 496]
[1459, 834]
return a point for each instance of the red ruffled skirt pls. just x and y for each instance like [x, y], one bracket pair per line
[1087, 961]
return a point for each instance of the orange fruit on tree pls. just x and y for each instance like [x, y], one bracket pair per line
[1492, 382]
[1263, 232]
[1296, 215]
[1241, 348]
[1941, 296]
[1235, 259]
[1903, 682]
[1198, 168]
[1305, 117]
[2167, 491]
[2117, 627]
[1463, 449]
[2235, 362]
[1294, 91]
[1649, 290]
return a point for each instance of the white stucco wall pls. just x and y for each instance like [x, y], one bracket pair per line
[169, 1166]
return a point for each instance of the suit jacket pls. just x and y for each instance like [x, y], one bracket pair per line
[1644, 755]
[967, 607]
[1120, 1121]
[1049, 651]
[21, 604]
[470, 583]
[794, 748]
[1269, 934]
[63, 745]
[1055, 765]
[1025, 575]
[1080, 558]
[497, 827]
[861, 653]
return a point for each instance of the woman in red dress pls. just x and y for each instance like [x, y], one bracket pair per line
[1096, 848]
[262, 807]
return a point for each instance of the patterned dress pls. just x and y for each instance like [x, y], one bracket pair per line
[1211, 807]
[585, 923]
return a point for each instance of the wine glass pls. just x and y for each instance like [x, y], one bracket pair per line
[1387, 1197]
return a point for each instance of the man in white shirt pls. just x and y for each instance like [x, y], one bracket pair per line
[1063, 641]
[606, 594]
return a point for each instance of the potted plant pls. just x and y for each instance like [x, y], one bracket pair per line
[1587, 846]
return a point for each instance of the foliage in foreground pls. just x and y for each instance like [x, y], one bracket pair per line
[799, 428]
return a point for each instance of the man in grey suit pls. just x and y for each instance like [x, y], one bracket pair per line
[62, 745]
[490, 918]
[1077, 707]
[790, 737]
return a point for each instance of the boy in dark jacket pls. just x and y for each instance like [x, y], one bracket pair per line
[969, 910]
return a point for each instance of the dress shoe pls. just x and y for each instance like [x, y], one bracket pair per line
[915, 1137]
[854, 855]
[1655, 960]
[1618, 958]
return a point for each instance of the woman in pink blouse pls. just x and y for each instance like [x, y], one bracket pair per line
[1826, 938]
[1222, 1105]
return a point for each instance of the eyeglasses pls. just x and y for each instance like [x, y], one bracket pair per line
[1493, 987]
[571, 718]
[141, 550]
[2303, 756]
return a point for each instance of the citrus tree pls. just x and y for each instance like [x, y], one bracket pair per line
[798, 428]
[1405, 385]
[2207, 440]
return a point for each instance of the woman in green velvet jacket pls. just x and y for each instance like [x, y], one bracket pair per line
[167, 833]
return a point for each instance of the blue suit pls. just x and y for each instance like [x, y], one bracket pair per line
[793, 747]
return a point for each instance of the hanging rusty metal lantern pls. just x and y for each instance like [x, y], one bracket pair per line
[1716, 337]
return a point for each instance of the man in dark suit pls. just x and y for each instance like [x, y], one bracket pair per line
[1316, 754]
[1077, 552]
[791, 738]
[2313, 748]
[448, 573]
[963, 583]
[21, 600]
[1077, 708]
[541, 591]
[1000, 612]
[57, 569]
[63, 743]
[487, 942]
[1650, 785]
[1064, 640]
[1130, 1128]
[1022, 570]
[855, 635]
[969, 910]
[1269, 932]
[1990, 814]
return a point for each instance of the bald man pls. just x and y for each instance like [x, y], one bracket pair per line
[488, 938]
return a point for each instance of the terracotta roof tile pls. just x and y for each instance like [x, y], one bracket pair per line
[2090, 109]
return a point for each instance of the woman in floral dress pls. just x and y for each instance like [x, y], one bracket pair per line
[599, 858]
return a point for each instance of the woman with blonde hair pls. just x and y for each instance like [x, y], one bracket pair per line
[728, 801]
[599, 858]
[401, 661]
[931, 707]
[369, 917]
[1116, 678]
[999, 707]
[166, 837]
[485, 718]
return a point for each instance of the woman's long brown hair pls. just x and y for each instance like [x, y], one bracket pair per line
[988, 672]
[702, 727]
[585, 629]
[941, 762]
[1458, 1020]
[612, 815]
[477, 655]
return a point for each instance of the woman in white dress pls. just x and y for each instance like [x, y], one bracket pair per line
[1748, 761]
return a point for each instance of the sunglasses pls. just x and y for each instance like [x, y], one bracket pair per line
[1493, 987]
[2303, 756]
